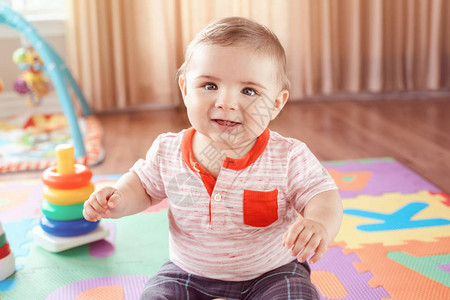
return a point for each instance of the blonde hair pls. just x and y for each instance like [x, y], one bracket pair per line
[241, 32]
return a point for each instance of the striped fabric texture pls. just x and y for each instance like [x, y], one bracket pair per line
[231, 228]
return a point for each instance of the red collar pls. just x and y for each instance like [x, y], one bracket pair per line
[229, 163]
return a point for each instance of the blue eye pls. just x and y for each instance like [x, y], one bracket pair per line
[210, 86]
[248, 92]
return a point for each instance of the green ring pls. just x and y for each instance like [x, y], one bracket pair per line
[62, 212]
[2, 240]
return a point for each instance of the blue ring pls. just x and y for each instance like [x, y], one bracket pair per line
[67, 228]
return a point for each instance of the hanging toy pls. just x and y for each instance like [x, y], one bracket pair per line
[32, 81]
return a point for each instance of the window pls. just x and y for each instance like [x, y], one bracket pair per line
[40, 9]
[47, 16]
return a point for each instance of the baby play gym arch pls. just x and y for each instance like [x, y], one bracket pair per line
[56, 69]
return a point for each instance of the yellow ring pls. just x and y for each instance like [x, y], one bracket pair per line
[67, 197]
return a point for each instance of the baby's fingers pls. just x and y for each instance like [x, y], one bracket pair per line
[102, 196]
[89, 213]
[113, 200]
[291, 235]
[321, 250]
[308, 248]
[98, 208]
[303, 240]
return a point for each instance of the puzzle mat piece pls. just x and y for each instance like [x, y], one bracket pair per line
[19, 236]
[388, 176]
[118, 287]
[429, 266]
[336, 278]
[106, 246]
[430, 207]
[7, 284]
[350, 181]
[105, 179]
[446, 197]
[19, 239]
[20, 199]
[400, 281]
[445, 267]
[134, 255]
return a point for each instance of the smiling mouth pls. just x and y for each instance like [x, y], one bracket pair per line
[225, 122]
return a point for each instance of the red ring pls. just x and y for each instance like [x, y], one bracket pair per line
[80, 178]
[4, 251]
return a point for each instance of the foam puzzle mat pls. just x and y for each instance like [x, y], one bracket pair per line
[394, 242]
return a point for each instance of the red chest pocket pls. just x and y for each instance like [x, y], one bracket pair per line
[260, 208]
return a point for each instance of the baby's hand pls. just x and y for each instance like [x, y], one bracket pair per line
[309, 236]
[100, 202]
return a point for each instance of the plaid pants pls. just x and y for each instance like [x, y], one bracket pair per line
[291, 281]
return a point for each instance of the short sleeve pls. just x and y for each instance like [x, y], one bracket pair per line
[149, 171]
[306, 176]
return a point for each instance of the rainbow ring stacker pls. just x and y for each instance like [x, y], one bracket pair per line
[62, 212]
[2, 239]
[7, 261]
[5, 250]
[7, 266]
[67, 187]
[67, 228]
[68, 197]
[80, 178]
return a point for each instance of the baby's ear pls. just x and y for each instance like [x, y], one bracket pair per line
[280, 101]
[183, 86]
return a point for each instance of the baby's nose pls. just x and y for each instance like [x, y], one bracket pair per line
[227, 103]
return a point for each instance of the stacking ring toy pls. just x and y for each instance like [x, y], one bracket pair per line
[62, 212]
[67, 228]
[5, 250]
[7, 266]
[2, 240]
[80, 178]
[67, 197]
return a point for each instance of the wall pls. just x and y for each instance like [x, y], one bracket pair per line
[10, 39]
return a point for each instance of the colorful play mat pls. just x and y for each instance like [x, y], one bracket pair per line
[394, 242]
[28, 141]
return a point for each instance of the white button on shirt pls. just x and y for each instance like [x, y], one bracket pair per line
[217, 197]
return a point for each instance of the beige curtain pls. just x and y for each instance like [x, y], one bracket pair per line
[126, 52]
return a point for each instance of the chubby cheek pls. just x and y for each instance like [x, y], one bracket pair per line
[257, 120]
[198, 112]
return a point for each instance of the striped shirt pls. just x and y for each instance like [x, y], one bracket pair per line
[231, 228]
